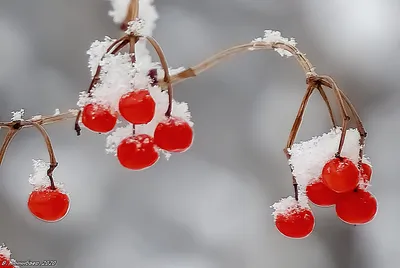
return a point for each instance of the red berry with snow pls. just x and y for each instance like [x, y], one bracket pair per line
[98, 118]
[137, 152]
[173, 134]
[5, 262]
[297, 222]
[319, 194]
[340, 175]
[137, 107]
[48, 204]
[366, 173]
[356, 207]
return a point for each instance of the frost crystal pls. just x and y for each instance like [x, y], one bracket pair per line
[57, 112]
[4, 251]
[273, 37]
[36, 117]
[136, 27]
[16, 116]
[309, 157]
[39, 176]
[288, 204]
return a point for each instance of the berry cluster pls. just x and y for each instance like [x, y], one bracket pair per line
[5, 258]
[139, 151]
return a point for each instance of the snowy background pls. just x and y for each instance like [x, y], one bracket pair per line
[209, 207]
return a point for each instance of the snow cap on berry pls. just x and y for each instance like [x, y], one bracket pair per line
[4, 251]
[272, 37]
[289, 204]
[309, 157]
[39, 177]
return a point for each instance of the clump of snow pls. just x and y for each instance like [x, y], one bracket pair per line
[57, 112]
[289, 205]
[96, 51]
[18, 115]
[179, 109]
[39, 177]
[136, 27]
[147, 12]
[4, 251]
[309, 157]
[36, 117]
[271, 37]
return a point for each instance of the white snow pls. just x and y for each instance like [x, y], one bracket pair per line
[4, 251]
[271, 37]
[17, 115]
[309, 157]
[289, 204]
[39, 176]
[136, 27]
[96, 51]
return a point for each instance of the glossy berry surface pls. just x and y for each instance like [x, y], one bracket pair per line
[98, 118]
[366, 173]
[340, 175]
[137, 107]
[319, 194]
[48, 205]
[137, 152]
[295, 223]
[5, 262]
[356, 207]
[173, 135]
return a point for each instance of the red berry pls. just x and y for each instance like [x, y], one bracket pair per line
[5, 262]
[137, 152]
[173, 135]
[296, 222]
[319, 194]
[366, 173]
[98, 118]
[340, 175]
[137, 107]
[48, 205]
[356, 207]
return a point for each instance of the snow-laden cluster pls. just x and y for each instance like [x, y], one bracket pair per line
[118, 75]
[289, 205]
[309, 157]
[39, 178]
[4, 251]
[271, 37]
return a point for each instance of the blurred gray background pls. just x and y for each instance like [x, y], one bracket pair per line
[209, 207]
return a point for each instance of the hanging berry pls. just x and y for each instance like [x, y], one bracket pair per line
[137, 107]
[98, 118]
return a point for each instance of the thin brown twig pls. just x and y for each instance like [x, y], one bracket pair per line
[328, 104]
[6, 142]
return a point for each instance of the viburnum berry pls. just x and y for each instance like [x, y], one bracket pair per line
[5, 262]
[48, 204]
[356, 207]
[340, 175]
[137, 107]
[98, 118]
[137, 152]
[173, 134]
[366, 173]
[296, 222]
[319, 194]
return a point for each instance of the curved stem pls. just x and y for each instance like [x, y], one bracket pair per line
[133, 12]
[52, 157]
[328, 105]
[167, 77]
[7, 140]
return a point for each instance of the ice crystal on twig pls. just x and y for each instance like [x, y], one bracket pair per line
[136, 27]
[18, 115]
[276, 37]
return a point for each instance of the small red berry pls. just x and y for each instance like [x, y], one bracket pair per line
[137, 107]
[340, 175]
[48, 205]
[5, 262]
[137, 152]
[366, 173]
[319, 194]
[297, 222]
[98, 118]
[173, 135]
[356, 207]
